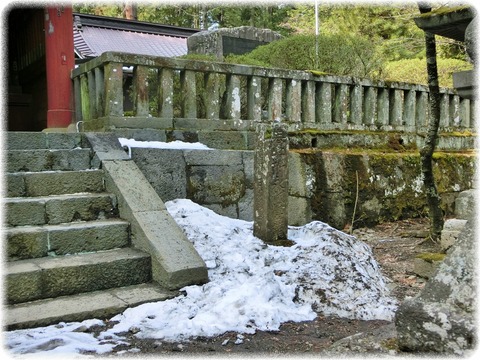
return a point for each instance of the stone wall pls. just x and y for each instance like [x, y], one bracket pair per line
[225, 41]
[322, 184]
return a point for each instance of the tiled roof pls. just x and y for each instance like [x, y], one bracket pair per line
[94, 35]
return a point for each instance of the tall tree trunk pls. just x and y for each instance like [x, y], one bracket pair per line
[130, 10]
[426, 153]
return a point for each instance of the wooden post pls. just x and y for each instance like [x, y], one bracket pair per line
[59, 64]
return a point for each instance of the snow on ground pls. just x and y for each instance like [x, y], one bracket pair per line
[252, 287]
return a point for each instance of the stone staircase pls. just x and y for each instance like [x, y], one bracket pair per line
[68, 254]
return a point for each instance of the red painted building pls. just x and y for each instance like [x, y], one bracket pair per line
[43, 46]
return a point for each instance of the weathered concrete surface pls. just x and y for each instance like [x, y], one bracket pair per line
[441, 319]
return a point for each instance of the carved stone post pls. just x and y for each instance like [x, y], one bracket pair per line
[271, 183]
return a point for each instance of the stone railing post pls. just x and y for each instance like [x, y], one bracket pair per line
[165, 93]
[270, 188]
[212, 96]
[293, 110]
[254, 98]
[113, 89]
[140, 82]
[188, 86]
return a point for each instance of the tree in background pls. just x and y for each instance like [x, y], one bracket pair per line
[383, 40]
[426, 153]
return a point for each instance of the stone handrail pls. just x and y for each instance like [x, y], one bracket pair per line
[167, 88]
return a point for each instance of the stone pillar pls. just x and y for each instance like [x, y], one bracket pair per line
[270, 189]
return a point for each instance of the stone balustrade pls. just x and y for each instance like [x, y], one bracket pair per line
[116, 87]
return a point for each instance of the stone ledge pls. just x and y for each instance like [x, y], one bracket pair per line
[175, 262]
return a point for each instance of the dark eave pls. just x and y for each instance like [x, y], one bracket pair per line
[450, 23]
[131, 25]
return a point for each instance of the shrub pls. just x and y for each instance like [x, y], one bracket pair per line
[337, 54]
[415, 70]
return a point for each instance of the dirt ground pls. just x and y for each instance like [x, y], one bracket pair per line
[394, 245]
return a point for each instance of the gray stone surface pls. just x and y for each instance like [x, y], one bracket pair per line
[175, 262]
[165, 170]
[90, 236]
[471, 39]
[425, 268]
[378, 342]
[28, 280]
[19, 140]
[216, 184]
[56, 209]
[211, 42]
[441, 318]
[106, 146]
[322, 182]
[99, 304]
[450, 232]
[270, 190]
[47, 183]
[465, 204]
[20, 212]
[26, 242]
[48, 160]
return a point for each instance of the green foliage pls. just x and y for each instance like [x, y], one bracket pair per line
[198, 16]
[390, 29]
[415, 70]
[339, 55]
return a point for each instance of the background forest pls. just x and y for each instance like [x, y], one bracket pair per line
[364, 40]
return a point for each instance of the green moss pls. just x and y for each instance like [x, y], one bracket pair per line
[431, 257]
[465, 133]
[316, 72]
[390, 344]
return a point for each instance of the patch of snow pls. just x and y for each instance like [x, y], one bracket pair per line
[252, 286]
[176, 145]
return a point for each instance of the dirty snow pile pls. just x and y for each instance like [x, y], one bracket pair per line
[252, 286]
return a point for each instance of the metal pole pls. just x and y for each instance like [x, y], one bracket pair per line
[316, 34]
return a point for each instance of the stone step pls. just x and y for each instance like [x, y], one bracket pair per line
[51, 277]
[49, 160]
[57, 209]
[101, 304]
[20, 184]
[22, 140]
[29, 242]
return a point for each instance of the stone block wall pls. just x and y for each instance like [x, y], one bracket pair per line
[225, 41]
[322, 184]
